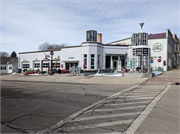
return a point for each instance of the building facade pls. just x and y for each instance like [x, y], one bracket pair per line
[8, 65]
[164, 49]
[96, 55]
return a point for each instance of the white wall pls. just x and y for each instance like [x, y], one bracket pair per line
[163, 53]
[3, 71]
[70, 54]
[34, 56]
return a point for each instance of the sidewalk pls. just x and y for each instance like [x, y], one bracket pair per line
[66, 78]
[164, 118]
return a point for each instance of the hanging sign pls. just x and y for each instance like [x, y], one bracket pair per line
[159, 60]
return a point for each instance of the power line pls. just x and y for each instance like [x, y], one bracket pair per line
[15, 45]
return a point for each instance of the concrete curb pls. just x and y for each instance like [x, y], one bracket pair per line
[55, 127]
[137, 122]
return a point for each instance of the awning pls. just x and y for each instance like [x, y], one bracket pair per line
[71, 61]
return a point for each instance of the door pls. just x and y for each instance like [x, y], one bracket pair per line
[9, 69]
[115, 65]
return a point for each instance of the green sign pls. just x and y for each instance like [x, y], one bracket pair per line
[157, 47]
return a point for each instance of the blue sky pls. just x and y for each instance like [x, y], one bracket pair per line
[25, 24]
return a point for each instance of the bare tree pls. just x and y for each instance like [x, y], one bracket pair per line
[47, 46]
[4, 54]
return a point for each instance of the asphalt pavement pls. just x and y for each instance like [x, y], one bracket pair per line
[92, 105]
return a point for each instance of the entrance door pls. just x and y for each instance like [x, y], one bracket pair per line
[9, 69]
[115, 65]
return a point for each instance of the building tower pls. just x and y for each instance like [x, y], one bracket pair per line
[140, 61]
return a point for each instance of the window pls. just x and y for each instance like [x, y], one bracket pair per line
[45, 65]
[92, 61]
[10, 67]
[57, 65]
[3, 67]
[98, 61]
[85, 58]
[176, 47]
[25, 65]
[37, 65]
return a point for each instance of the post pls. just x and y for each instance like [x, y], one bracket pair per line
[51, 61]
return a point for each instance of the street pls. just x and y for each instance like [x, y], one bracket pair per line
[31, 106]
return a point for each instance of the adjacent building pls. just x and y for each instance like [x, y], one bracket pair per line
[8, 65]
[164, 49]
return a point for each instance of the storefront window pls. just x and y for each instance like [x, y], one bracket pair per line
[92, 61]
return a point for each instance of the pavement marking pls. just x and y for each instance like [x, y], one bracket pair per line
[145, 92]
[137, 122]
[113, 109]
[135, 98]
[144, 95]
[105, 116]
[100, 125]
[60, 123]
[127, 103]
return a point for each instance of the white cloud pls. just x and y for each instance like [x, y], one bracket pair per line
[32, 22]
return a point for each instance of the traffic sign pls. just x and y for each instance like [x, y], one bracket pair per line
[151, 61]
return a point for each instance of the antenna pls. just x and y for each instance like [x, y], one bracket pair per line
[141, 24]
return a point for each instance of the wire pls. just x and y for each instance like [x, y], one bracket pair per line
[15, 45]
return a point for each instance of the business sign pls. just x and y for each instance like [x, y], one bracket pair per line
[138, 51]
[145, 50]
[157, 47]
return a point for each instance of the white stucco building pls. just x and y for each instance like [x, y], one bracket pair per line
[102, 56]
[95, 54]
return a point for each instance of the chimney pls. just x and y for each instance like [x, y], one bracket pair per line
[99, 37]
